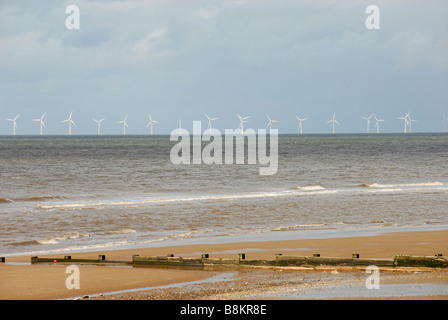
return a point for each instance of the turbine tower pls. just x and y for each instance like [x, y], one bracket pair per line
[377, 125]
[368, 122]
[333, 121]
[300, 123]
[210, 122]
[42, 124]
[242, 120]
[14, 123]
[151, 122]
[124, 124]
[70, 122]
[99, 125]
[270, 124]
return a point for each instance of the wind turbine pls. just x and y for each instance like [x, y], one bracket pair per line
[124, 124]
[300, 123]
[210, 122]
[406, 121]
[410, 122]
[377, 125]
[14, 123]
[99, 125]
[270, 124]
[368, 122]
[42, 124]
[242, 120]
[333, 121]
[151, 122]
[70, 122]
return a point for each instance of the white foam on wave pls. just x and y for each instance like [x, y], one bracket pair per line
[309, 188]
[313, 190]
[67, 236]
[121, 231]
[403, 185]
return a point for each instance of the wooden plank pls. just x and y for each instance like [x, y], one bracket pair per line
[436, 261]
[67, 259]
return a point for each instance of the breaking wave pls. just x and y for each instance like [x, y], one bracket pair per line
[403, 185]
[314, 190]
[309, 188]
[67, 236]
[30, 199]
[121, 231]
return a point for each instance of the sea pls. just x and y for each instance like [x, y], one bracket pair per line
[98, 193]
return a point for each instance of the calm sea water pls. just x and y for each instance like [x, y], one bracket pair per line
[113, 192]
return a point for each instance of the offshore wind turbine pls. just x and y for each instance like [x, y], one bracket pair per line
[14, 123]
[124, 124]
[151, 122]
[333, 121]
[242, 120]
[270, 124]
[70, 122]
[368, 122]
[42, 124]
[410, 122]
[210, 122]
[406, 121]
[99, 125]
[377, 125]
[300, 123]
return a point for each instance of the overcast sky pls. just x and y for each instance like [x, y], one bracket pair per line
[183, 58]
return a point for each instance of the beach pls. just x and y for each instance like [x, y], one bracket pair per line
[23, 280]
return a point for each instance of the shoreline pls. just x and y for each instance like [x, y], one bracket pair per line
[272, 236]
[47, 281]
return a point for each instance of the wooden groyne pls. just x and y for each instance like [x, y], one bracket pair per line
[436, 261]
[280, 260]
[68, 259]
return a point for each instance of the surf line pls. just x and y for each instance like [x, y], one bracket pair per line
[212, 153]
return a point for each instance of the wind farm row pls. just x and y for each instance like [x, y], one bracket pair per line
[407, 121]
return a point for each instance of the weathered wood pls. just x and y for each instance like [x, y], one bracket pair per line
[282, 260]
[436, 261]
[68, 259]
[167, 261]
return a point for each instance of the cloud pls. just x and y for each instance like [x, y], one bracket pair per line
[153, 38]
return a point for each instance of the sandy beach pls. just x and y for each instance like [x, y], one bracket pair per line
[21, 280]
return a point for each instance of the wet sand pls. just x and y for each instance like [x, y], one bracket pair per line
[20, 280]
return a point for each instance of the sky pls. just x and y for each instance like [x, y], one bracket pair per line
[182, 59]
